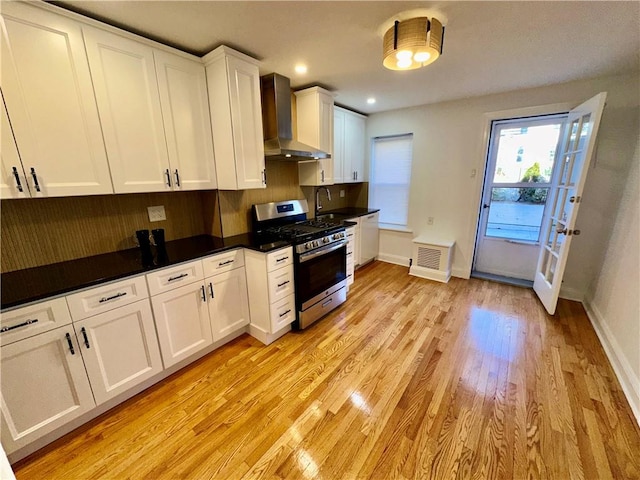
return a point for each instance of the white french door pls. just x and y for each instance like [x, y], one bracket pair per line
[559, 222]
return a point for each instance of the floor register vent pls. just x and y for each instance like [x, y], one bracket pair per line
[431, 259]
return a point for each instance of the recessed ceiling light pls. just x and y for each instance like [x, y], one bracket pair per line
[301, 69]
[371, 101]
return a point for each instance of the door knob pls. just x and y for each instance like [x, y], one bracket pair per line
[561, 230]
[486, 205]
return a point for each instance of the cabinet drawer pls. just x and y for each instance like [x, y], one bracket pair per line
[283, 313]
[170, 278]
[28, 321]
[106, 297]
[279, 258]
[280, 283]
[223, 262]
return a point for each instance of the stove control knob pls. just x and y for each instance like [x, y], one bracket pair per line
[308, 246]
[326, 240]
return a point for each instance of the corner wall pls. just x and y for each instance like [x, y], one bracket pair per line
[613, 298]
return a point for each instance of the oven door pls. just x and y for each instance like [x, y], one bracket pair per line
[319, 270]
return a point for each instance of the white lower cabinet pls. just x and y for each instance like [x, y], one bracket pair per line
[271, 293]
[369, 237]
[119, 348]
[351, 232]
[228, 302]
[356, 240]
[182, 322]
[43, 386]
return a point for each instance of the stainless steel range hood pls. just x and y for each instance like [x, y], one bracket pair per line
[276, 122]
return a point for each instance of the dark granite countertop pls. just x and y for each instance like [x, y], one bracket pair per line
[350, 212]
[25, 286]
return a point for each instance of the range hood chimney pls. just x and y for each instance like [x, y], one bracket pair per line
[276, 122]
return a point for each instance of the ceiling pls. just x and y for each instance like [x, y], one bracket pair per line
[489, 47]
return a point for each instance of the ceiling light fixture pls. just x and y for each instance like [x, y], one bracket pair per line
[412, 43]
[301, 69]
[371, 101]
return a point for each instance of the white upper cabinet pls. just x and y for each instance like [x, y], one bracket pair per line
[314, 107]
[185, 111]
[349, 146]
[236, 116]
[126, 90]
[13, 183]
[338, 144]
[49, 98]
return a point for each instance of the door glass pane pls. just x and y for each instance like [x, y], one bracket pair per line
[575, 125]
[526, 154]
[584, 131]
[516, 213]
[567, 168]
[558, 212]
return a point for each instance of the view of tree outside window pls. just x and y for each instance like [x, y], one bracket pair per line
[525, 157]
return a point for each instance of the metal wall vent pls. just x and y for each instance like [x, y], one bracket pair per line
[429, 258]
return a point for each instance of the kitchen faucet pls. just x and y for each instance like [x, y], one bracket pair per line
[318, 204]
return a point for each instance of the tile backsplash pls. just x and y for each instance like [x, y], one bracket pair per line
[41, 231]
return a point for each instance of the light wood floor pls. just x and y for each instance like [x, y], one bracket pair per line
[409, 379]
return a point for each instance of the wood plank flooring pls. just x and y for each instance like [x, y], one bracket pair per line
[409, 379]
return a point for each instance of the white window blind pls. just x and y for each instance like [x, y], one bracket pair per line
[389, 180]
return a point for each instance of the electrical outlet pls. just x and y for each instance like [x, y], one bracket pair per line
[429, 220]
[341, 193]
[156, 214]
[473, 173]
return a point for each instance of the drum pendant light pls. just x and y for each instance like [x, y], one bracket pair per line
[412, 43]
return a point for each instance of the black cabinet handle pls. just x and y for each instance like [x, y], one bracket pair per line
[211, 289]
[35, 179]
[322, 176]
[86, 339]
[177, 178]
[222, 264]
[177, 277]
[284, 313]
[23, 324]
[204, 296]
[73, 352]
[278, 260]
[18, 183]
[112, 297]
[264, 176]
[283, 283]
[166, 172]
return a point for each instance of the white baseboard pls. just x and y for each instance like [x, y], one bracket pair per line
[628, 380]
[430, 274]
[395, 259]
[569, 293]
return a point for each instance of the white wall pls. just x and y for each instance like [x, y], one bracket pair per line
[449, 143]
[613, 298]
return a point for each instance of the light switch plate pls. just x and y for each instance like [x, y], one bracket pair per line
[156, 214]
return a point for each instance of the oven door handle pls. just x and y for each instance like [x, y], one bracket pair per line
[321, 251]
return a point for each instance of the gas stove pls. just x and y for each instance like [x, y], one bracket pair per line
[288, 221]
[308, 234]
[319, 256]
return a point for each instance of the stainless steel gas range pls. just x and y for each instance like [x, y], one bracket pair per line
[320, 252]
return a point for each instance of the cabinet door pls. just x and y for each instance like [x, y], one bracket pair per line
[368, 237]
[43, 386]
[182, 322]
[120, 349]
[126, 89]
[356, 241]
[13, 183]
[228, 302]
[48, 93]
[339, 172]
[354, 148]
[185, 113]
[246, 119]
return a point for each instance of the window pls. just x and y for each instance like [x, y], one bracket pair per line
[389, 180]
